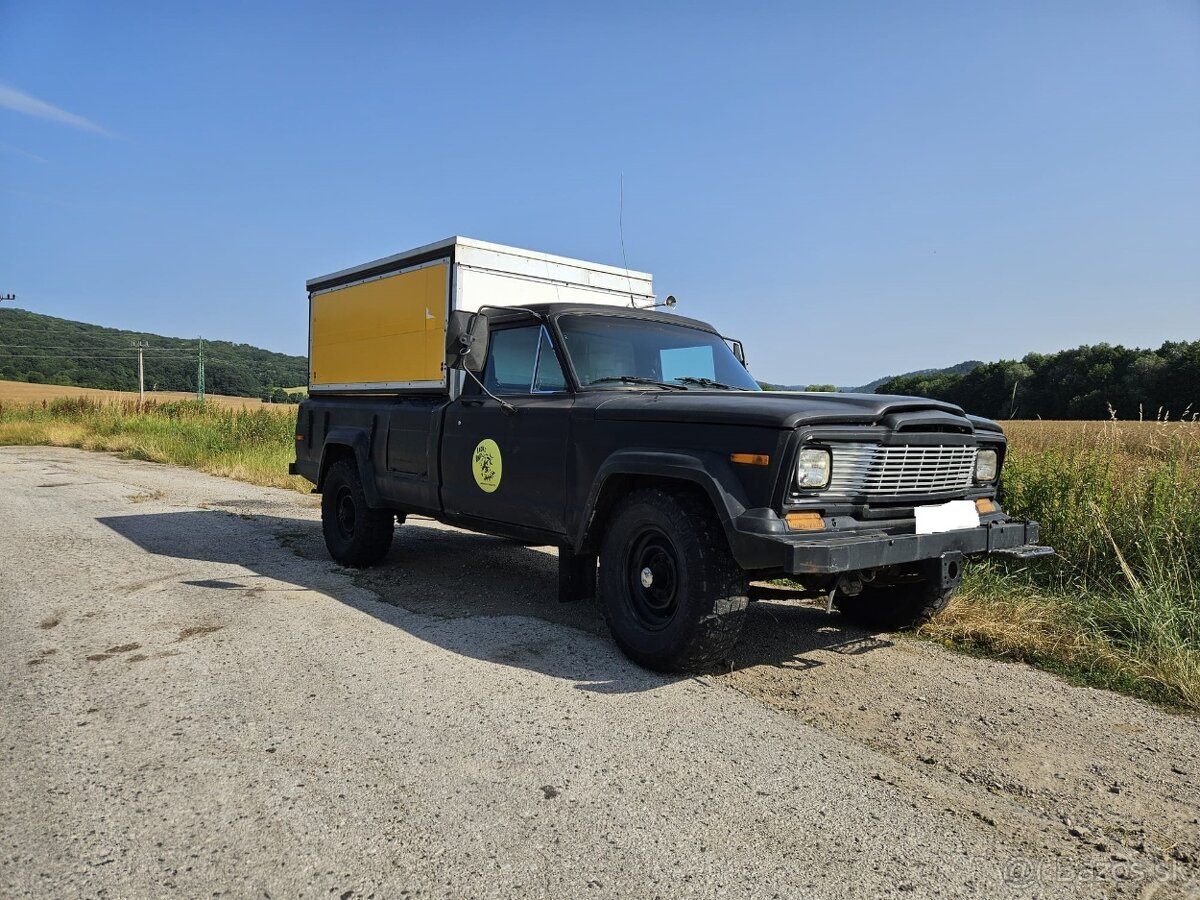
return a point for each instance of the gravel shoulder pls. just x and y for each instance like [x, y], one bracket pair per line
[196, 700]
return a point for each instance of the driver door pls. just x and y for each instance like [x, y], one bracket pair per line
[511, 467]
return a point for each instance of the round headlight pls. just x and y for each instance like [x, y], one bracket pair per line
[813, 468]
[986, 465]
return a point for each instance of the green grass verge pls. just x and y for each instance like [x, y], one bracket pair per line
[1119, 607]
[253, 445]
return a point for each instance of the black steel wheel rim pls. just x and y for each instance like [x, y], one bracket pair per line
[652, 570]
[346, 512]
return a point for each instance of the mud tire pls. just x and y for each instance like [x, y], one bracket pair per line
[355, 534]
[673, 596]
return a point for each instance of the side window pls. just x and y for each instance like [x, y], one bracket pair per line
[521, 361]
[550, 376]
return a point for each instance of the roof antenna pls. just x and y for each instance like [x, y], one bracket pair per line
[621, 226]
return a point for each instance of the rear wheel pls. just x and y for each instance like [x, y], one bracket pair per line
[909, 601]
[355, 534]
[673, 596]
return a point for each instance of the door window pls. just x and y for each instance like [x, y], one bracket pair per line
[548, 377]
[522, 361]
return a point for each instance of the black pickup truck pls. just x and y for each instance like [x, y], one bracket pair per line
[637, 442]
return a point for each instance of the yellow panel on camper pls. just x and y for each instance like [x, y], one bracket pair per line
[388, 331]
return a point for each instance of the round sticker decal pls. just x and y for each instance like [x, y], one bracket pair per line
[487, 465]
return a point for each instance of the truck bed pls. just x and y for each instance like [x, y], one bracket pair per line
[396, 436]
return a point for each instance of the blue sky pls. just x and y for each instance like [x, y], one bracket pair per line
[854, 189]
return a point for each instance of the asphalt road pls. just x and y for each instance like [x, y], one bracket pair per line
[197, 702]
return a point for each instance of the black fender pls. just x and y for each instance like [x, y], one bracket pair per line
[358, 441]
[709, 471]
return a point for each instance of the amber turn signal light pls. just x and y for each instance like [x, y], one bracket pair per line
[750, 459]
[985, 507]
[805, 521]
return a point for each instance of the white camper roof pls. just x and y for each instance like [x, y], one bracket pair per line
[501, 259]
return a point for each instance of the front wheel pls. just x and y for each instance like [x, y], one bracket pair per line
[673, 596]
[356, 534]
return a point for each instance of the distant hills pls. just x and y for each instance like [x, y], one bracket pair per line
[1083, 383]
[872, 387]
[1088, 382]
[43, 349]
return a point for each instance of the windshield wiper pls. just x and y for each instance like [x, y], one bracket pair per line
[636, 379]
[708, 382]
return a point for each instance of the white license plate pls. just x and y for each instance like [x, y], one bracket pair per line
[947, 517]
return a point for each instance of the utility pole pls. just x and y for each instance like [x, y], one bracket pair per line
[200, 374]
[141, 345]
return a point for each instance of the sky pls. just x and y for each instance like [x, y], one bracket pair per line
[853, 189]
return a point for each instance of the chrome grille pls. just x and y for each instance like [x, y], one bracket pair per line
[877, 470]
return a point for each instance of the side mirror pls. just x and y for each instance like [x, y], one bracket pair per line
[738, 350]
[466, 340]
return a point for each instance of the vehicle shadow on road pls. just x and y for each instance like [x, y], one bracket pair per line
[452, 580]
[788, 634]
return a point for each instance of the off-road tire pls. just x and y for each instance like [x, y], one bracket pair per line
[690, 616]
[355, 534]
[894, 607]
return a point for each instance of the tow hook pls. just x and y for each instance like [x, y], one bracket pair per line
[850, 584]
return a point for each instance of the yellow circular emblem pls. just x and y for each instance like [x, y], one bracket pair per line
[487, 465]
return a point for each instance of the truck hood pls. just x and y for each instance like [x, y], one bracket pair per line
[783, 409]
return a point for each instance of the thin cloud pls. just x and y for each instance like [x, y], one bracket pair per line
[19, 101]
[17, 151]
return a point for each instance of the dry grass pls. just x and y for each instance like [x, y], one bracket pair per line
[248, 444]
[23, 392]
[1120, 606]
[1146, 441]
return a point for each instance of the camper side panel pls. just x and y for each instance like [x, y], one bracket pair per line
[385, 334]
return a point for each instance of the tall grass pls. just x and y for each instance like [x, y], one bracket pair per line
[1120, 605]
[252, 444]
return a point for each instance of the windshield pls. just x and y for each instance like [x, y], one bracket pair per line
[615, 351]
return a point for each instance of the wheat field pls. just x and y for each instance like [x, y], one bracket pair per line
[1119, 606]
[25, 392]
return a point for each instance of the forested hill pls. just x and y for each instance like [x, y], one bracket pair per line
[872, 387]
[1072, 384]
[44, 349]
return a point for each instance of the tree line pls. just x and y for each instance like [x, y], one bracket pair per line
[48, 350]
[1090, 382]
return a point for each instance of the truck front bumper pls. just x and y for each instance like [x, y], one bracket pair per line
[824, 553]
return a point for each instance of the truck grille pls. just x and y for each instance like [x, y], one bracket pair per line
[876, 470]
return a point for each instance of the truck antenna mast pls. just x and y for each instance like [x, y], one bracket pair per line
[621, 228]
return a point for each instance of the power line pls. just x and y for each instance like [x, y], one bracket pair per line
[128, 356]
[188, 350]
[95, 357]
[162, 351]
